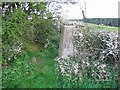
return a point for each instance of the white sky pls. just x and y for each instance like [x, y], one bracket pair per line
[94, 9]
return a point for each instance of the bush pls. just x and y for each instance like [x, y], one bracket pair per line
[19, 31]
[95, 62]
[12, 43]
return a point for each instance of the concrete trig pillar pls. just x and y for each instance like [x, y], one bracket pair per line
[66, 41]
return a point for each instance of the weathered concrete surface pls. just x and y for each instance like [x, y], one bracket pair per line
[66, 42]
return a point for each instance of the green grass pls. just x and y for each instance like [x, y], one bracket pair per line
[95, 26]
[35, 70]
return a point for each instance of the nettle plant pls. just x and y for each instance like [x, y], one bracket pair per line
[95, 55]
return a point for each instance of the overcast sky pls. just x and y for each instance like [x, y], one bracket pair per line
[94, 9]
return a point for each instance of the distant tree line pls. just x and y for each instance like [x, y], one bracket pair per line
[104, 21]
